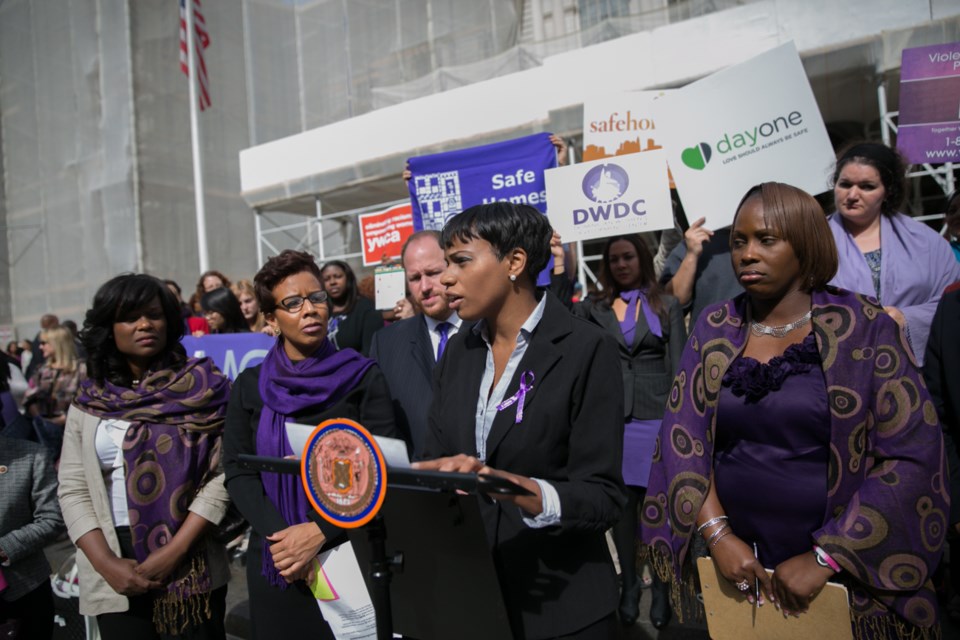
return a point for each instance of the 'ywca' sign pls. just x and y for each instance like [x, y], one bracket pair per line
[231, 352]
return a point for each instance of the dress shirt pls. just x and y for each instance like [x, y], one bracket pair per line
[432, 323]
[487, 408]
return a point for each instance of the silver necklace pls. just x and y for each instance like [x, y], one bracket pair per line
[758, 329]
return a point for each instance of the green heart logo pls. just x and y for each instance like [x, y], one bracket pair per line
[693, 157]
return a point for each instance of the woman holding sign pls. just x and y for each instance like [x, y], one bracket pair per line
[302, 379]
[883, 253]
[799, 437]
[648, 327]
[534, 395]
[140, 479]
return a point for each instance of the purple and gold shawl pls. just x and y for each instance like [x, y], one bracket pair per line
[887, 499]
[170, 450]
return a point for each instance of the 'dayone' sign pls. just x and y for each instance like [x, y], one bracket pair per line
[753, 122]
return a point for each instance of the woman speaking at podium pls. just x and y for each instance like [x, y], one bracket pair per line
[534, 395]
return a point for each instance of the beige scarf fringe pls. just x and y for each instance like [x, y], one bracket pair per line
[175, 610]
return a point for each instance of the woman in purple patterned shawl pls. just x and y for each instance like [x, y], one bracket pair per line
[140, 478]
[799, 423]
[302, 379]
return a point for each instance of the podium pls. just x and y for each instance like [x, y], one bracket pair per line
[425, 556]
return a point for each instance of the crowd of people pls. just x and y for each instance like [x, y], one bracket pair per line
[781, 395]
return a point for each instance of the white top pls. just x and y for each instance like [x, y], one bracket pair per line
[109, 444]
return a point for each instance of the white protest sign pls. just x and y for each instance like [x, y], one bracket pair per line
[390, 286]
[609, 197]
[753, 122]
[619, 124]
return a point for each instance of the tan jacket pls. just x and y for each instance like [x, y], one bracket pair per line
[86, 506]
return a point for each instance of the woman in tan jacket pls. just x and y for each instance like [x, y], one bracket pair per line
[140, 479]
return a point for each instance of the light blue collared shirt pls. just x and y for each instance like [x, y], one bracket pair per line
[487, 408]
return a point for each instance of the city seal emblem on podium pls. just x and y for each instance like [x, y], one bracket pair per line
[343, 473]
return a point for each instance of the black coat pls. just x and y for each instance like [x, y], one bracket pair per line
[650, 363]
[405, 355]
[558, 579]
[941, 369]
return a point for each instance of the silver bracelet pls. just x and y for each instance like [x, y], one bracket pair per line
[727, 532]
[710, 522]
[716, 534]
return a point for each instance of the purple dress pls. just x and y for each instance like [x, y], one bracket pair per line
[773, 439]
[639, 436]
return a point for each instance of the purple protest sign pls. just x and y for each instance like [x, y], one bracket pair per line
[929, 122]
[231, 352]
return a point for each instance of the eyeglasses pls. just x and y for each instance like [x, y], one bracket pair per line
[292, 304]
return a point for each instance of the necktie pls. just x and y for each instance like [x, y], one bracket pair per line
[443, 329]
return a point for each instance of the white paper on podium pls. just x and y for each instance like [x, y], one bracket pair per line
[394, 450]
[342, 594]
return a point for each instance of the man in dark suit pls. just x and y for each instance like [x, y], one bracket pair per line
[408, 350]
[941, 369]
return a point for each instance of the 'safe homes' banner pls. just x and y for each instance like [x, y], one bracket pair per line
[231, 352]
[444, 184]
[384, 233]
[754, 122]
[929, 121]
[615, 196]
[619, 124]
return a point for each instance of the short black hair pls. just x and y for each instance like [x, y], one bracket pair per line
[277, 269]
[506, 226]
[889, 164]
[114, 299]
[226, 304]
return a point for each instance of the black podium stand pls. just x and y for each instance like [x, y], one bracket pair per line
[426, 555]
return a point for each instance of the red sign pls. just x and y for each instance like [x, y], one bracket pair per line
[384, 233]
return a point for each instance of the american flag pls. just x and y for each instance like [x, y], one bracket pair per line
[201, 42]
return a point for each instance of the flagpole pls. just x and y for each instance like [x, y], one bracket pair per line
[204, 258]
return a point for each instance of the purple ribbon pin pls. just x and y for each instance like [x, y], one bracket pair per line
[519, 396]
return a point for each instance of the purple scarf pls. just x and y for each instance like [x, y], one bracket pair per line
[632, 298]
[287, 388]
[170, 450]
[915, 267]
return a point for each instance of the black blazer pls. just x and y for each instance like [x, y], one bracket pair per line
[405, 355]
[358, 328]
[557, 579]
[650, 363]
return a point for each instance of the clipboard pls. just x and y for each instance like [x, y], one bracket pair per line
[731, 617]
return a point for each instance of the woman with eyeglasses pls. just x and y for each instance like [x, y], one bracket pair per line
[302, 379]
